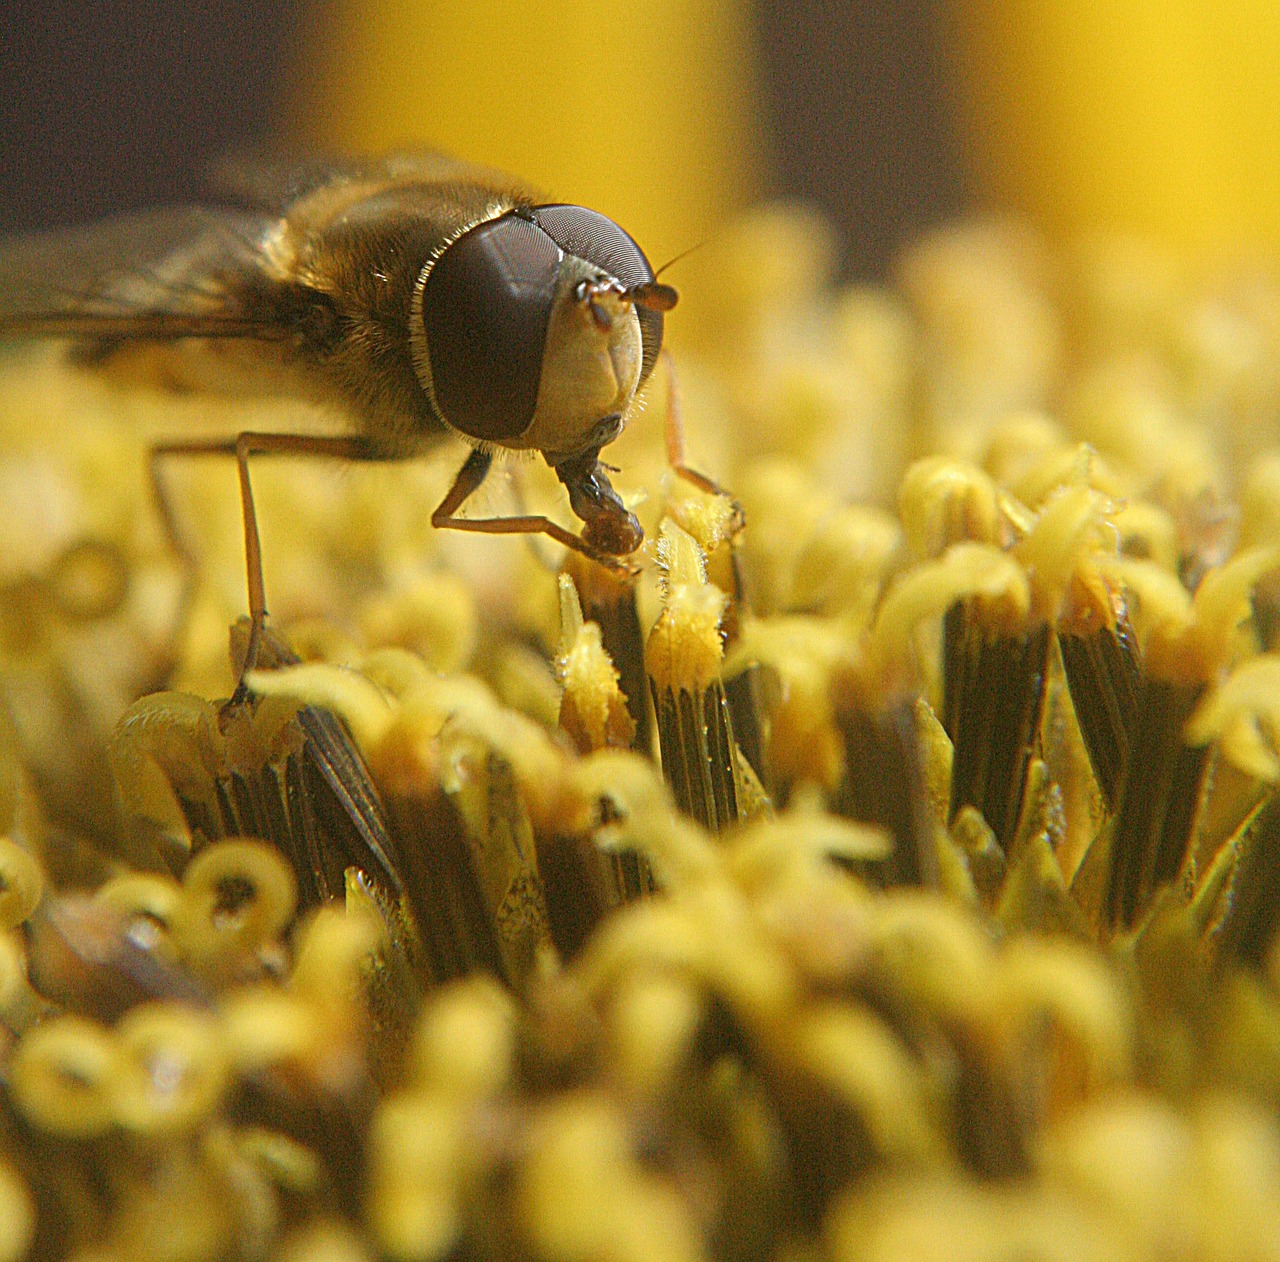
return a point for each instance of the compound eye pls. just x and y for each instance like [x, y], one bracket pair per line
[596, 238]
[485, 309]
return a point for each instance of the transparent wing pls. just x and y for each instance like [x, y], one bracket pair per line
[274, 184]
[181, 272]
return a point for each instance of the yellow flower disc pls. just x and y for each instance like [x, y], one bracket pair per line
[150, 904]
[17, 1215]
[59, 1074]
[236, 896]
[169, 1070]
[21, 883]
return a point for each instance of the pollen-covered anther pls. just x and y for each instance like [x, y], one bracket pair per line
[1190, 639]
[944, 502]
[803, 743]
[711, 520]
[1070, 530]
[593, 710]
[1243, 715]
[684, 649]
[1089, 604]
[974, 571]
[700, 757]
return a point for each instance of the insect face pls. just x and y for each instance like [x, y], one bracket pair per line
[527, 333]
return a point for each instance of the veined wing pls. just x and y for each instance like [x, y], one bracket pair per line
[171, 273]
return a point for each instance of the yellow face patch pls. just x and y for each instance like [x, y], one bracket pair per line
[589, 373]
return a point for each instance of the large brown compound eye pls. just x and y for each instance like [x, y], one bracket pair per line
[485, 309]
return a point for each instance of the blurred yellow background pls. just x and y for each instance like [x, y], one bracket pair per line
[1155, 118]
[646, 112]
[1158, 117]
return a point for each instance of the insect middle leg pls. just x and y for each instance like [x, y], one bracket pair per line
[242, 447]
[337, 447]
[675, 459]
[674, 427]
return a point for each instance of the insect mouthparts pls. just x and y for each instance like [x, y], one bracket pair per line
[609, 525]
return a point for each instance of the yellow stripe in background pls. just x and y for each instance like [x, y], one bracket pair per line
[647, 112]
[1161, 119]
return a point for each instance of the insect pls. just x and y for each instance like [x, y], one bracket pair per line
[417, 294]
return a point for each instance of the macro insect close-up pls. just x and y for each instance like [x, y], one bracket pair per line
[864, 850]
[415, 295]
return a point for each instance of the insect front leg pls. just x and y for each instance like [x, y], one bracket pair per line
[468, 481]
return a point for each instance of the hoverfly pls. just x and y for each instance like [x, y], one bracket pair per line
[416, 294]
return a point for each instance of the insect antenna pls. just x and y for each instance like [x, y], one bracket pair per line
[655, 296]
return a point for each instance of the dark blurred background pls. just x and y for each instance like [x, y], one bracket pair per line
[858, 102]
[118, 104]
